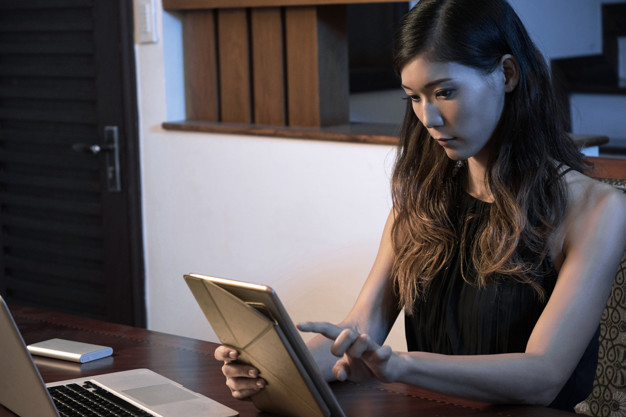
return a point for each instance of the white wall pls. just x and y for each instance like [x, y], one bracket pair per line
[303, 216]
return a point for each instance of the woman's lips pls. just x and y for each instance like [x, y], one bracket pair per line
[444, 141]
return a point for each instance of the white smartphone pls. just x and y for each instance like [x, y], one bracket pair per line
[70, 350]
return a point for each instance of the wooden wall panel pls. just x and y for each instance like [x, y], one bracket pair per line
[201, 84]
[268, 74]
[234, 66]
[608, 168]
[302, 67]
[269, 66]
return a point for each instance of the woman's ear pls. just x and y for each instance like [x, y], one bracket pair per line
[510, 69]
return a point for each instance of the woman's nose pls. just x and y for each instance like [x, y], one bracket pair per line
[432, 116]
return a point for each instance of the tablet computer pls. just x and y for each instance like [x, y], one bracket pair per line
[251, 319]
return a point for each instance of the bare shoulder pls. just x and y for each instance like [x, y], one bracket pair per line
[594, 209]
[586, 193]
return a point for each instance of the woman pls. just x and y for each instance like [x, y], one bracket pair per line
[500, 251]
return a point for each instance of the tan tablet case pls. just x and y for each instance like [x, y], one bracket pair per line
[249, 327]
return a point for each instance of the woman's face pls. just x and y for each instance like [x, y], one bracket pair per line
[459, 105]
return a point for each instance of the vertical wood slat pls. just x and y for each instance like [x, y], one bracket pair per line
[200, 55]
[268, 65]
[268, 75]
[317, 66]
[302, 67]
[234, 66]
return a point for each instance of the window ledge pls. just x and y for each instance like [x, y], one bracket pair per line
[379, 133]
[222, 4]
[373, 133]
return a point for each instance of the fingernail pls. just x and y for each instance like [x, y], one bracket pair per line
[260, 383]
[252, 373]
[232, 354]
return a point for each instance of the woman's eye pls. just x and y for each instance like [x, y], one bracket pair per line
[446, 94]
[413, 98]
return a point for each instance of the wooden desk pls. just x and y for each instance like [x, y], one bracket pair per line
[191, 363]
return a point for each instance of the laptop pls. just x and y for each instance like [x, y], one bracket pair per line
[251, 319]
[142, 391]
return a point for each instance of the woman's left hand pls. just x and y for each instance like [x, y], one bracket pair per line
[361, 357]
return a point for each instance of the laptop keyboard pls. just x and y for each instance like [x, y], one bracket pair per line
[89, 400]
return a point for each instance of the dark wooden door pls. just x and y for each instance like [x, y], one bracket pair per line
[70, 225]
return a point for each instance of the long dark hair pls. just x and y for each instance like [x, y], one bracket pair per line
[530, 145]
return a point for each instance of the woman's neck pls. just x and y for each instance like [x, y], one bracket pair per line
[476, 183]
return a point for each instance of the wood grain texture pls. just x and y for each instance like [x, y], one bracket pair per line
[200, 55]
[191, 363]
[234, 66]
[382, 134]
[268, 73]
[614, 168]
[276, 66]
[219, 4]
[303, 101]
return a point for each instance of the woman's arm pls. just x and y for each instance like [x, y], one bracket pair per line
[593, 239]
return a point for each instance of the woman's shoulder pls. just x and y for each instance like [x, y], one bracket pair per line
[594, 220]
[586, 193]
[593, 206]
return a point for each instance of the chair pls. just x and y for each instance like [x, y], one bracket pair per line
[608, 398]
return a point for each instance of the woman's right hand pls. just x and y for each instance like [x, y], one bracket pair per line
[243, 380]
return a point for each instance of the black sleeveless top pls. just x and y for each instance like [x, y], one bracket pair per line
[458, 318]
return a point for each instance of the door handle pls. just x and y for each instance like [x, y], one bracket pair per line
[111, 156]
[93, 149]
